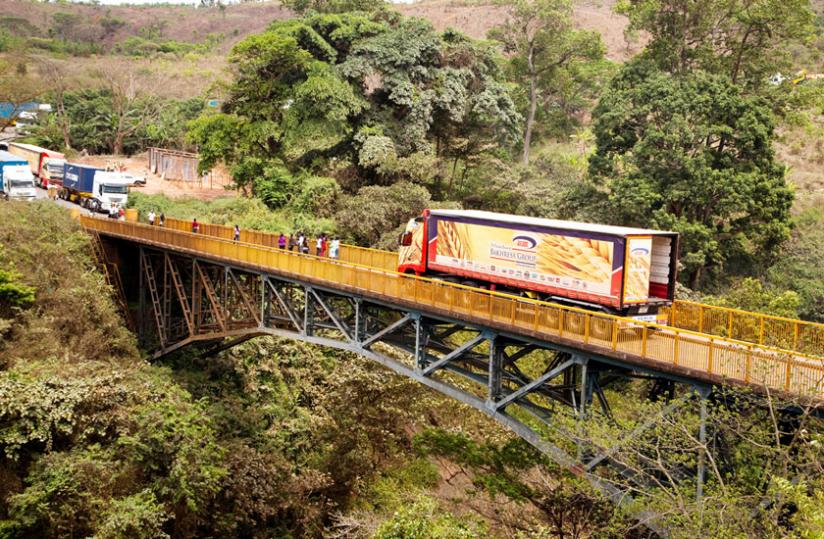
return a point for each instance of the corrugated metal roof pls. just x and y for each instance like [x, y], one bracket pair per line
[548, 223]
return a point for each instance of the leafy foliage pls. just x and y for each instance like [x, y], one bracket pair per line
[423, 520]
[364, 98]
[94, 123]
[546, 53]
[751, 295]
[799, 266]
[367, 216]
[745, 41]
[692, 154]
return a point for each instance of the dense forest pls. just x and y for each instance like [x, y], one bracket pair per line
[347, 117]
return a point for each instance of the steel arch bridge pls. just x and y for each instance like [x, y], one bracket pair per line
[205, 289]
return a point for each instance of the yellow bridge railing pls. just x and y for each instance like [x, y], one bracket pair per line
[348, 253]
[806, 338]
[699, 355]
[791, 334]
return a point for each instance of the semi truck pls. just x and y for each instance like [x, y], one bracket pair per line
[94, 188]
[46, 165]
[618, 270]
[16, 180]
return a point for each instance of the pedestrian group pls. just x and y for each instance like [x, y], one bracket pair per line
[324, 246]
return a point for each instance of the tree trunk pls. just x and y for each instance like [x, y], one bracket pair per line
[533, 103]
[64, 122]
[117, 148]
[695, 278]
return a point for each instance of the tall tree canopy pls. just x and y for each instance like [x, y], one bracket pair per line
[692, 154]
[545, 50]
[743, 39]
[367, 90]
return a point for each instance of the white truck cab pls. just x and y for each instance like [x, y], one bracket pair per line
[110, 188]
[18, 183]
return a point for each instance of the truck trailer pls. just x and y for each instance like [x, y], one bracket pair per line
[618, 270]
[94, 188]
[46, 165]
[16, 180]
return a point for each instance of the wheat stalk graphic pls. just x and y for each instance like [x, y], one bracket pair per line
[453, 240]
[575, 257]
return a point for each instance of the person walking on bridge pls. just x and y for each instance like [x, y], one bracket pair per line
[282, 241]
[236, 235]
[292, 242]
[151, 217]
[334, 249]
[162, 219]
[195, 226]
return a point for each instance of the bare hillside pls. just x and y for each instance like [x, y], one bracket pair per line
[180, 23]
[190, 24]
[477, 18]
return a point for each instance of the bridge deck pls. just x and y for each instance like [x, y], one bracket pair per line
[696, 355]
[793, 335]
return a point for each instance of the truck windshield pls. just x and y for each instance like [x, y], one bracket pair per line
[21, 184]
[116, 189]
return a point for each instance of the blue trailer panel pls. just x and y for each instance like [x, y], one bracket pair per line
[79, 178]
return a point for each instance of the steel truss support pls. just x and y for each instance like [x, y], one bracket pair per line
[513, 376]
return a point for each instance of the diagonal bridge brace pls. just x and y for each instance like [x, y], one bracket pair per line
[637, 431]
[386, 331]
[523, 390]
[286, 305]
[332, 316]
[244, 297]
[464, 348]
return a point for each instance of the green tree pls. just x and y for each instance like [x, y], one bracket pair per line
[692, 154]
[745, 40]
[333, 6]
[799, 266]
[363, 98]
[372, 215]
[540, 36]
[16, 89]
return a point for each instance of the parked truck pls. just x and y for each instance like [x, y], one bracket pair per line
[16, 180]
[94, 188]
[46, 165]
[619, 270]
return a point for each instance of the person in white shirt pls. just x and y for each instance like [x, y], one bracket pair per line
[151, 217]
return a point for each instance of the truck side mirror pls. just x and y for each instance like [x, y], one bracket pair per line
[405, 239]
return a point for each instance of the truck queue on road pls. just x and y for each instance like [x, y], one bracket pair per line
[91, 187]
